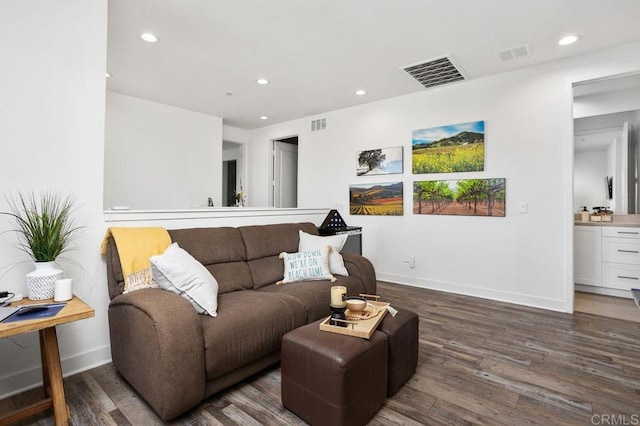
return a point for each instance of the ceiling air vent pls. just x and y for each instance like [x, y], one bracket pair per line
[319, 124]
[435, 72]
[514, 52]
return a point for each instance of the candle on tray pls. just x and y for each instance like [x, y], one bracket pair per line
[337, 296]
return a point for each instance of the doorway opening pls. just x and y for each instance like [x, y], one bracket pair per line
[229, 177]
[232, 159]
[606, 125]
[284, 172]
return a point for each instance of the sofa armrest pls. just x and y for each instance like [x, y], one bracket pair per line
[360, 267]
[157, 345]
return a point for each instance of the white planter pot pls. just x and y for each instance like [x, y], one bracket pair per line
[41, 282]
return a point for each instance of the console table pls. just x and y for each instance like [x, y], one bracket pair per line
[74, 310]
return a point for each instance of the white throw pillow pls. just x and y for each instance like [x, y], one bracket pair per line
[312, 242]
[177, 271]
[306, 266]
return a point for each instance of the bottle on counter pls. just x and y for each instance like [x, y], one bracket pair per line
[584, 214]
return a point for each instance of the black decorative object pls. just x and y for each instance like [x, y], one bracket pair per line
[333, 220]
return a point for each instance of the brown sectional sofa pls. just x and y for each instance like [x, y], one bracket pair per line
[174, 357]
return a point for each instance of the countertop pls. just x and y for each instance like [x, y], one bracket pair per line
[621, 224]
[624, 220]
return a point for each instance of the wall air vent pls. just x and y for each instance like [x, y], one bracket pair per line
[435, 72]
[514, 52]
[319, 124]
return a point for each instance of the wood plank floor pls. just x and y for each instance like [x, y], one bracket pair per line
[607, 306]
[481, 362]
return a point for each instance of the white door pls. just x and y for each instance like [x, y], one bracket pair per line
[285, 174]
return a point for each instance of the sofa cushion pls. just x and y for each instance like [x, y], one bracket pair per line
[264, 243]
[315, 295]
[265, 271]
[222, 251]
[311, 242]
[177, 271]
[312, 265]
[271, 240]
[232, 276]
[211, 245]
[249, 325]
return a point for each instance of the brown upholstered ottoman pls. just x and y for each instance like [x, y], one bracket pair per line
[332, 379]
[402, 336]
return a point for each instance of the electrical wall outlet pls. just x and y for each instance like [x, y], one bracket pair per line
[411, 262]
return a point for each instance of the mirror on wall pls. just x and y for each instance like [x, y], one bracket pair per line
[606, 139]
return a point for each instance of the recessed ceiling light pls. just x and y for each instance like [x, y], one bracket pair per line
[149, 38]
[262, 81]
[570, 39]
[264, 117]
[360, 92]
[107, 75]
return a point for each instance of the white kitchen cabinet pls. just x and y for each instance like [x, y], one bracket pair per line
[620, 257]
[620, 232]
[607, 259]
[587, 249]
[620, 276]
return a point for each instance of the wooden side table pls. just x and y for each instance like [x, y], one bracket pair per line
[74, 310]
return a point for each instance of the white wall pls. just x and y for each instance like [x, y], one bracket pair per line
[606, 103]
[522, 258]
[231, 154]
[589, 171]
[52, 119]
[603, 121]
[160, 157]
[233, 134]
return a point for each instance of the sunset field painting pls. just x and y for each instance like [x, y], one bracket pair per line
[381, 199]
[448, 149]
[464, 197]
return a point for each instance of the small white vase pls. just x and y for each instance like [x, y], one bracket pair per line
[41, 282]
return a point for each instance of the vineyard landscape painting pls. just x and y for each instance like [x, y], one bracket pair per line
[465, 197]
[448, 149]
[383, 161]
[383, 199]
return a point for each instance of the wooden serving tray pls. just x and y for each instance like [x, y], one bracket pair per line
[362, 328]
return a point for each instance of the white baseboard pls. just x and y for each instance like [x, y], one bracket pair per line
[485, 293]
[25, 380]
[604, 291]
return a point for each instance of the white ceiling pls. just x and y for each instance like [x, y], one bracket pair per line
[596, 141]
[316, 53]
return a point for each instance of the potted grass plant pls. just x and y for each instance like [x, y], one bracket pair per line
[46, 227]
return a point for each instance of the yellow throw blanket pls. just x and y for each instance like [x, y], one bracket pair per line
[135, 247]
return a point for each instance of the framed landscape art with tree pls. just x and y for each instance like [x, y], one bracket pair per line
[464, 197]
[384, 161]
